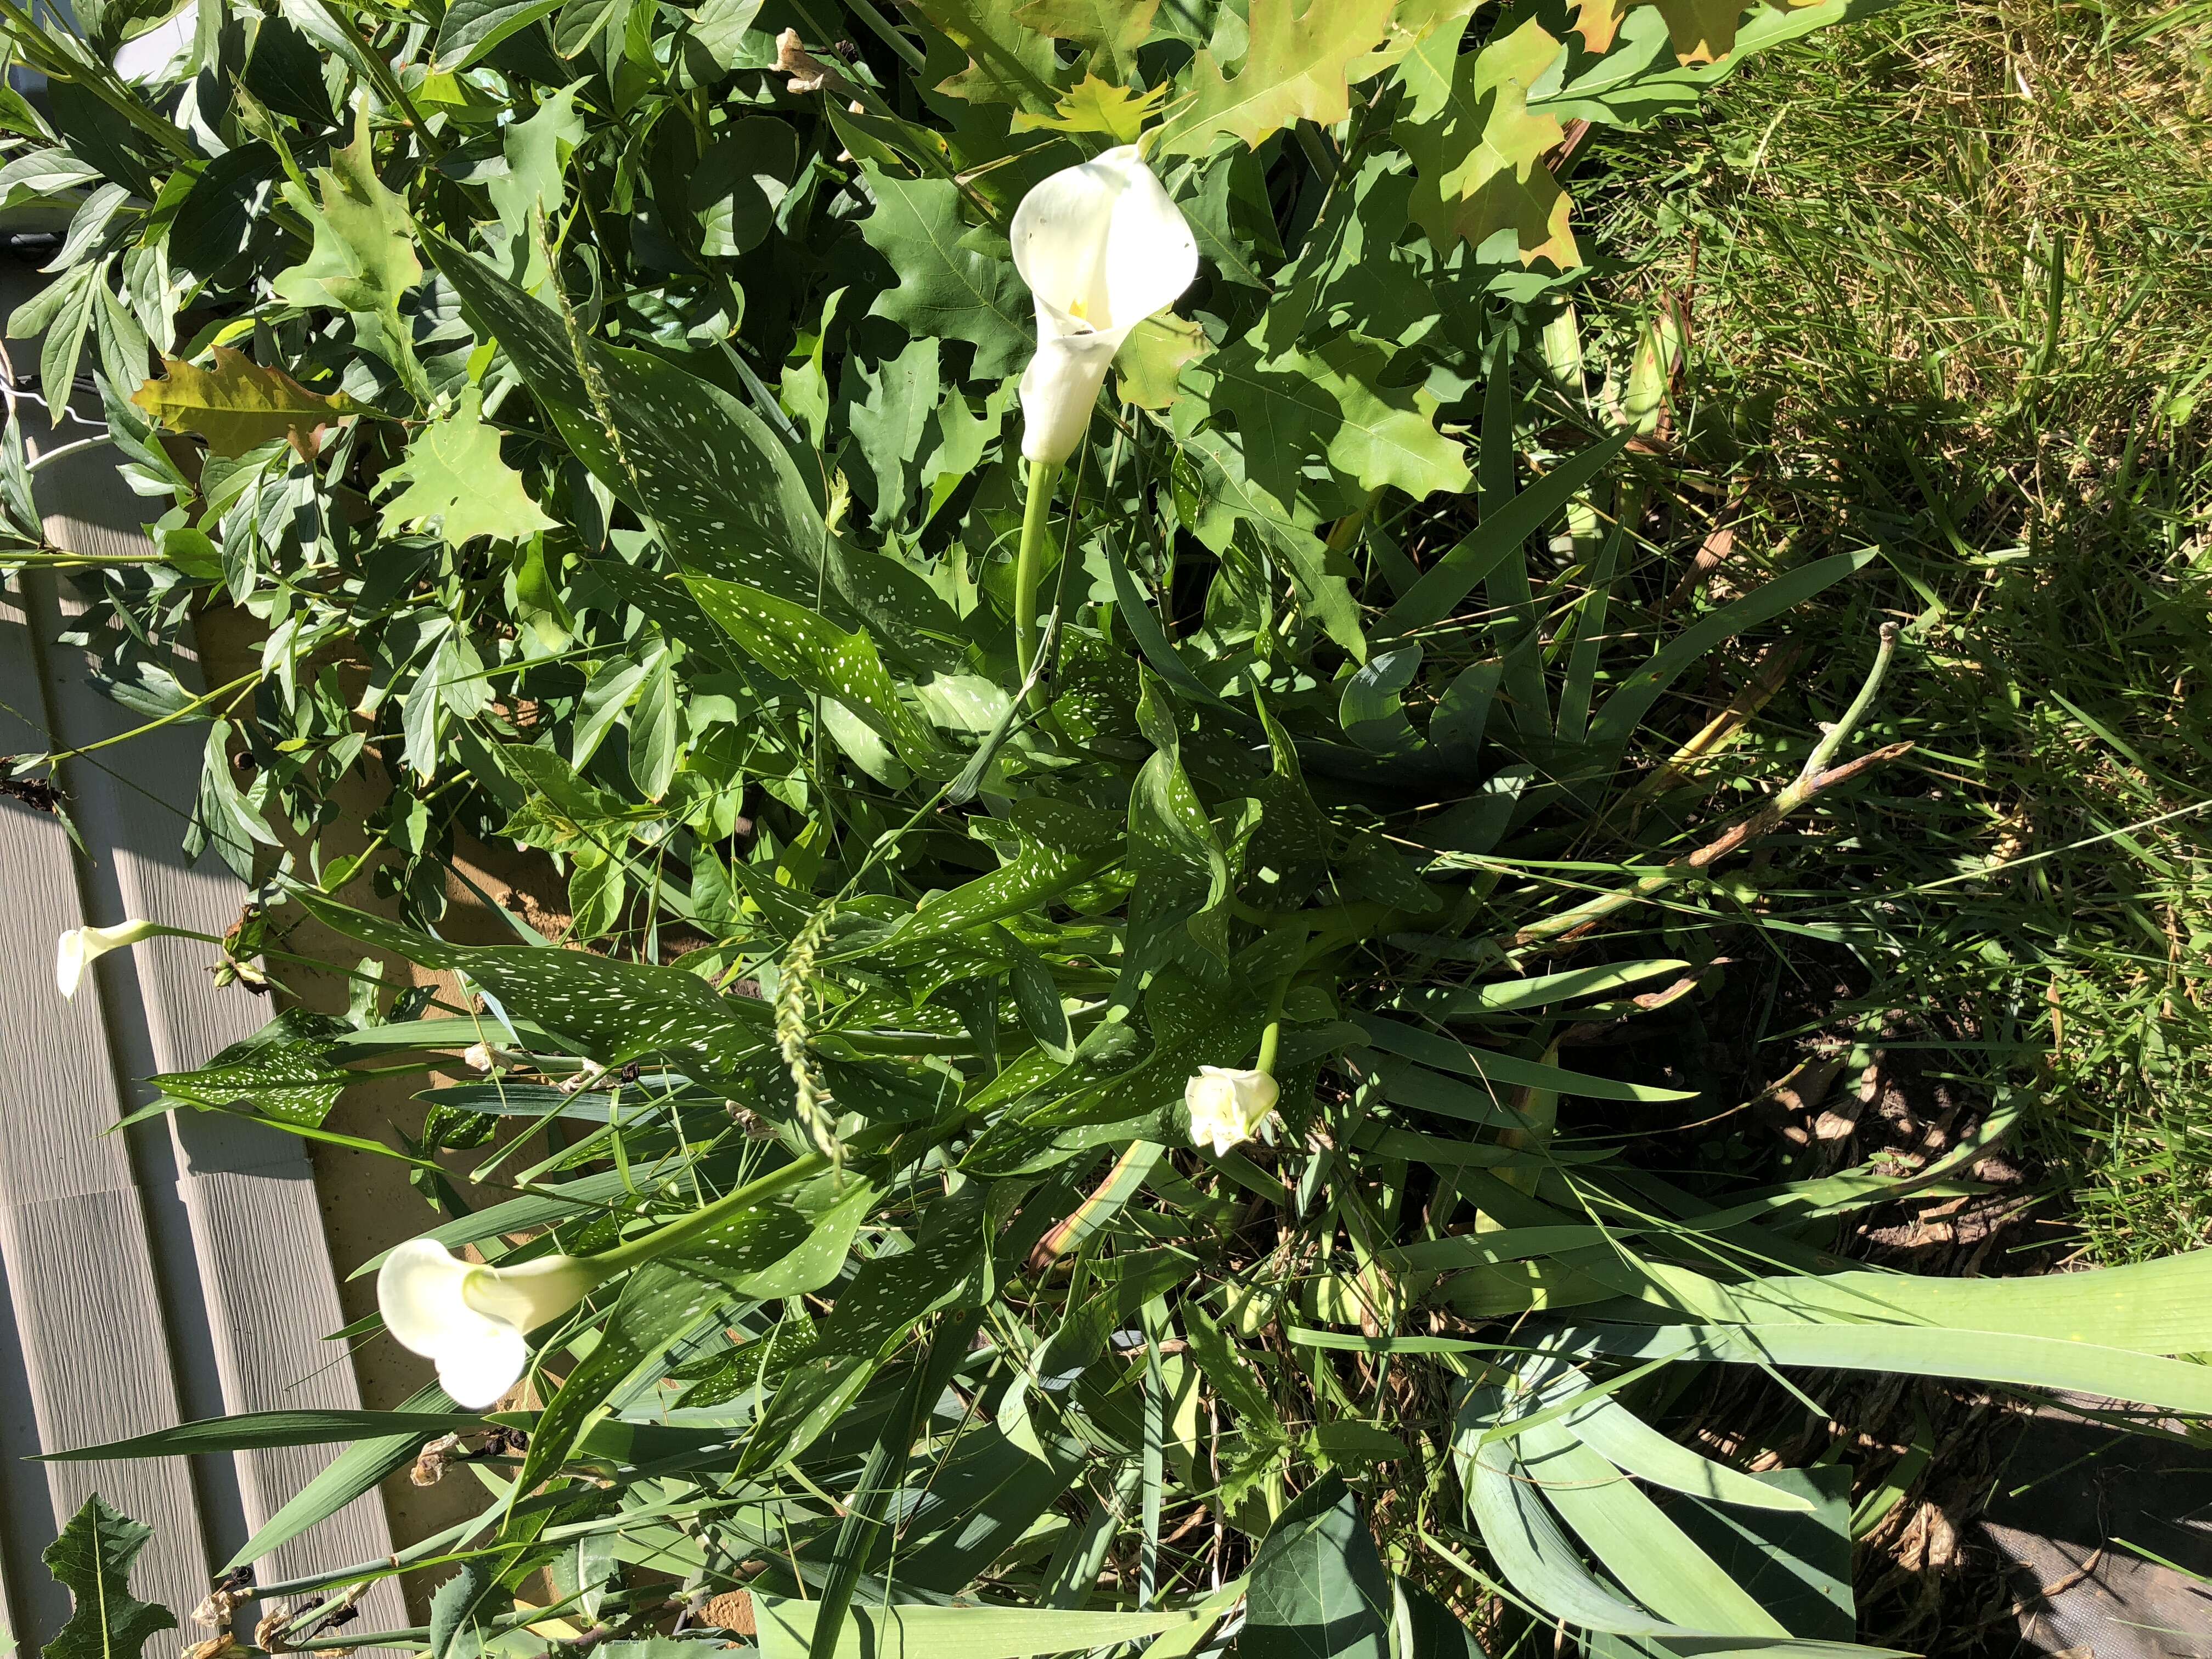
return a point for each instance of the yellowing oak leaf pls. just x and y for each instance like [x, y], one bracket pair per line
[1101, 106]
[239, 405]
[1298, 68]
[1478, 165]
[1111, 29]
[1435, 24]
[456, 477]
[1701, 30]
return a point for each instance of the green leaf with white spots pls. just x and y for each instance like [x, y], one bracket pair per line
[660, 1305]
[808, 649]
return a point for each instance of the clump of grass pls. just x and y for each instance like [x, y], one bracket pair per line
[1949, 278]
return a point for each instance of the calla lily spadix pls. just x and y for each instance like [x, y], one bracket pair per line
[81, 946]
[472, 1320]
[1101, 248]
[1227, 1106]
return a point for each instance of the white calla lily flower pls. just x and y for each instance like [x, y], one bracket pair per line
[1227, 1106]
[1101, 248]
[473, 1320]
[82, 945]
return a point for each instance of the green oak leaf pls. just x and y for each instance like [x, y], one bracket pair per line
[1100, 106]
[1008, 62]
[888, 423]
[1112, 30]
[239, 405]
[455, 476]
[363, 257]
[1298, 68]
[1292, 405]
[93, 1558]
[1701, 30]
[1480, 163]
[536, 152]
[947, 287]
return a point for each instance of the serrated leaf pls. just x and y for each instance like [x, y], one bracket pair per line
[1151, 360]
[1479, 162]
[536, 152]
[1294, 405]
[1008, 62]
[1298, 68]
[889, 422]
[92, 1557]
[1700, 31]
[1095, 106]
[456, 478]
[363, 256]
[239, 405]
[946, 287]
[1111, 30]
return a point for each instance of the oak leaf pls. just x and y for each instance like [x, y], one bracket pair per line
[1298, 68]
[239, 405]
[1480, 164]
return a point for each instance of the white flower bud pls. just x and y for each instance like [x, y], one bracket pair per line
[1227, 1106]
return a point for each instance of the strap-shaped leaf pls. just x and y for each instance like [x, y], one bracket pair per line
[256, 1430]
[1495, 540]
[614, 1011]
[1620, 715]
[1444, 1054]
[2035, 1362]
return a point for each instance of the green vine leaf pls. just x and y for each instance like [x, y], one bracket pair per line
[456, 479]
[93, 1558]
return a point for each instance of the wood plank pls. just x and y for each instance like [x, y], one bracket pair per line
[88, 1320]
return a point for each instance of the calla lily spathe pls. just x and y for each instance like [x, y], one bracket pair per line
[81, 946]
[1101, 248]
[1227, 1106]
[473, 1320]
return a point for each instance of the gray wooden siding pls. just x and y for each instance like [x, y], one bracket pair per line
[177, 1270]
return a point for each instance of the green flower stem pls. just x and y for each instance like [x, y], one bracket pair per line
[638, 1251]
[1271, 1042]
[1042, 476]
